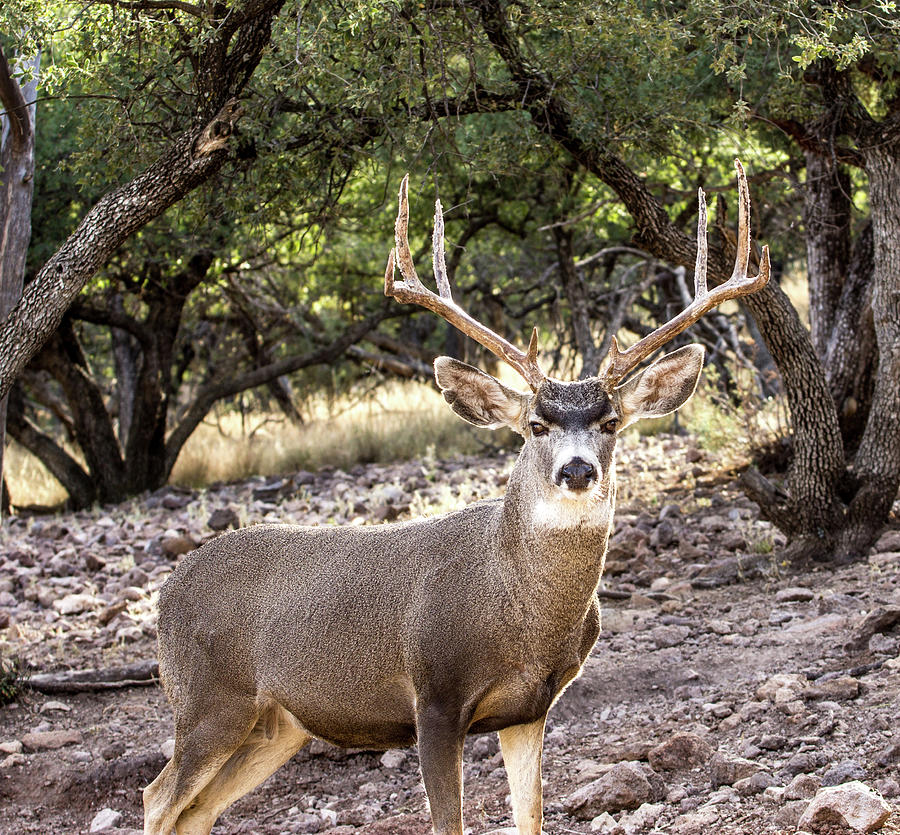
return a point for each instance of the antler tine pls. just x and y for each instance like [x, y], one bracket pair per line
[700, 288]
[622, 362]
[411, 290]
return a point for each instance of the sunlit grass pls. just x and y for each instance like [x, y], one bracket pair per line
[28, 480]
[396, 422]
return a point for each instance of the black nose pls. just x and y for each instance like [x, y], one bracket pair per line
[578, 474]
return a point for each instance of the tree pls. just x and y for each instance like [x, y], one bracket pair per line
[226, 46]
[16, 190]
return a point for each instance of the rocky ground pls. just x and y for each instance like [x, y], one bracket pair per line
[727, 691]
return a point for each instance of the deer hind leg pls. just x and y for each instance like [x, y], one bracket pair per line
[521, 746]
[204, 741]
[275, 738]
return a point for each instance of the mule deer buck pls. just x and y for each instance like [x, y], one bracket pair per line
[423, 631]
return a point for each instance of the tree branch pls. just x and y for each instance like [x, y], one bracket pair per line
[212, 392]
[132, 5]
[14, 103]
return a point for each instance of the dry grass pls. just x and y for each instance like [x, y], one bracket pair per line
[28, 480]
[394, 423]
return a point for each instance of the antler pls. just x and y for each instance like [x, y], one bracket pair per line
[412, 291]
[622, 362]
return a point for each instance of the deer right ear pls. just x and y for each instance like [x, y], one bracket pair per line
[479, 398]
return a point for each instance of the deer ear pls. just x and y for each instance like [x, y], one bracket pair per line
[662, 387]
[479, 398]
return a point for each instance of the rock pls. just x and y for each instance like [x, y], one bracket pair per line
[754, 784]
[46, 707]
[305, 822]
[486, 746]
[606, 824]
[853, 804]
[843, 772]
[793, 594]
[74, 604]
[888, 541]
[175, 546]
[726, 771]
[802, 787]
[834, 690]
[668, 636]
[782, 687]
[393, 759]
[92, 562]
[883, 644]
[721, 627]
[624, 786]
[803, 762]
[805, 629]
[12, 747]
[789, 814]
[880, 619]
[105, 819]
[701, 822]
[772, 742]
[663, 535]
[51, 740]
[167, 749]
[13, 760]
[887, 756]
[642, 819]
[683, 751]
[113, 751]
[887, 787]
[223, 518]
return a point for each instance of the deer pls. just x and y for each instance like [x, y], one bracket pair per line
[425, 631]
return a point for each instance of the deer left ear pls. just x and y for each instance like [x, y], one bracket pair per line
[662, 387]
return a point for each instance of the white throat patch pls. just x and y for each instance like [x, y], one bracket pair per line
[571, 511]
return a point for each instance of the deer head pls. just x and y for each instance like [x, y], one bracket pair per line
[570, 428]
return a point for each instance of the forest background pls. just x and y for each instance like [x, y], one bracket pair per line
[199, 201]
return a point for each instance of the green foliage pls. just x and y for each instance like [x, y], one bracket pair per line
[11, 679]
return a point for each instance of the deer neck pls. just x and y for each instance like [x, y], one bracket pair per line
[555, 544]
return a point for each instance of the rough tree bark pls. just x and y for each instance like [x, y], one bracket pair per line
[16, 191]
[228, 59]
[877, 465]
[812, 514]
[576, 295]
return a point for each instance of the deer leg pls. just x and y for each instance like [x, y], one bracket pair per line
[275, 738]
[202, 747]
[521, 746]
[440, 742]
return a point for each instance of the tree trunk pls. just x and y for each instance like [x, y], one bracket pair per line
[827, 212]
[851, 357]
[16, 191]
[574, 290]
[877, 464]
[126, 355]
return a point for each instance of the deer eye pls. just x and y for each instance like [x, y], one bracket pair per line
[610, 426]
[538, 428]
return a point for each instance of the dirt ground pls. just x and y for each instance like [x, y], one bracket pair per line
[721, 674]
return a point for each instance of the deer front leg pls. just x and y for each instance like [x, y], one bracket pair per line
[440, 740]
[522, 746]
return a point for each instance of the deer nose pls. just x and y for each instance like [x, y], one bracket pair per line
[578, 474]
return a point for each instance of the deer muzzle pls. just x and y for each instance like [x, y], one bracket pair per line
[577, 474]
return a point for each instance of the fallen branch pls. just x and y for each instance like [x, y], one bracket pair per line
[82, 681]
